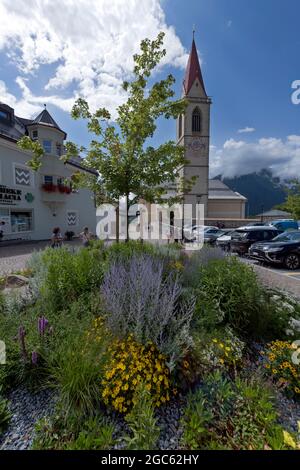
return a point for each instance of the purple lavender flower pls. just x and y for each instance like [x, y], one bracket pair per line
[21, 338]
[34, 358]
[42, 325]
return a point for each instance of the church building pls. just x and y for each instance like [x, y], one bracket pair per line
[193, 132]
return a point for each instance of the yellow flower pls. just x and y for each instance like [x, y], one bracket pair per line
[289, 440]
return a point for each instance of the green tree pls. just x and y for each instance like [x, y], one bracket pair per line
[292, 203]
[128, 165]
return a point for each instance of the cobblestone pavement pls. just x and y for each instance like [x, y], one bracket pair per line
[14, 257]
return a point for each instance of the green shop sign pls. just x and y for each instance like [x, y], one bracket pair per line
[29, 197]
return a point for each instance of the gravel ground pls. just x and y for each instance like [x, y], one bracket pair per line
[289, 412]
[26, 409]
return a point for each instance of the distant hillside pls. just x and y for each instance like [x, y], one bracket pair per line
[262, 190]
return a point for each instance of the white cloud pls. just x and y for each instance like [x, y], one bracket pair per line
[236, 158]
[246, 130]
[90, 44]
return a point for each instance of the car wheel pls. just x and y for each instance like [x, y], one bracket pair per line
[292, 261]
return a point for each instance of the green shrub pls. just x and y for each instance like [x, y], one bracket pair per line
[238, 415]
[141, 422]
[124, 251]
[64, 325]
[229, 293]
[95, 435]
[73, 432]
[61, 276]
[76, 370]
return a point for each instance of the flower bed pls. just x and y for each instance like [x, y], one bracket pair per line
[145, 348]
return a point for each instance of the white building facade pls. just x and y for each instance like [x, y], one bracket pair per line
[33, 203]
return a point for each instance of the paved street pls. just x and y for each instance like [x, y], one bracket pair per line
[277, 269]
[14, 257]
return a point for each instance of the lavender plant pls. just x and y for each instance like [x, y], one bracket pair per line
[141, 300]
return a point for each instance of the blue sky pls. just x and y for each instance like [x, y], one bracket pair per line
[249, 52]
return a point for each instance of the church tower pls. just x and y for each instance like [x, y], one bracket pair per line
[193, 129]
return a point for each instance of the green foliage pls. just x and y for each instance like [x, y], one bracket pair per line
[125, 251]
[73, 432]
[68, 275]
[292, 202]
[238, 415]
[33, 146]
[142, 422]
[76, 369]
[94, 436]
[5, 414]
[229, 293]
[196, 421]
[67, 326]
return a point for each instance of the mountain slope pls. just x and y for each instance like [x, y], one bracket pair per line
[262, 190]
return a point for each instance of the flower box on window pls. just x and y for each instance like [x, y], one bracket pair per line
[64, 189]
[49, 187]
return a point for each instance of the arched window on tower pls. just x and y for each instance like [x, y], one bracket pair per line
[196, 120]
[180, 126]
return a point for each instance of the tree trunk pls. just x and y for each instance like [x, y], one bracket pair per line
[117, 223]
[127, 218]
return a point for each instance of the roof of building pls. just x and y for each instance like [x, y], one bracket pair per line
[46, 119]
[218, 190]
[15, 127]
[193, 70]
[275, 213]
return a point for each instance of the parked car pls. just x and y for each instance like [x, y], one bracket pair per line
[198, 231]
[285, 224]
[223, 241]
[282, 250]
[256, 224]
[244, 237]
[211, 236]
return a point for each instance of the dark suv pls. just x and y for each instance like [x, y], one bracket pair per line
[284, 249]
[244, 237]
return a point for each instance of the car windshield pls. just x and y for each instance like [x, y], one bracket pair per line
[239, 234]
[286, 237]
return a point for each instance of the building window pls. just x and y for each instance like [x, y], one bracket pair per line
[180, 126]
[4, 115]
[47, 146]
[60, 181]
[196, 121]
[58, 150]
[72, 218]
[48, 179]
[21, 221]
[22, 176]
[34, 135]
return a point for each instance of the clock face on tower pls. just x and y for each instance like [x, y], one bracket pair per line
[197, 144]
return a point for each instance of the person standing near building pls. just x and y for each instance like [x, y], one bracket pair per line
[2, 227]
[56, 238]
[86, 236]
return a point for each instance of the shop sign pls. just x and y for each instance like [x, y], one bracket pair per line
[10, 196]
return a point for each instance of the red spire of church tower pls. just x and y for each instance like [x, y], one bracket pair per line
[193, 70]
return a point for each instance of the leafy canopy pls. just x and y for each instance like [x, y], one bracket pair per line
[121, 152]
[292, 202]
